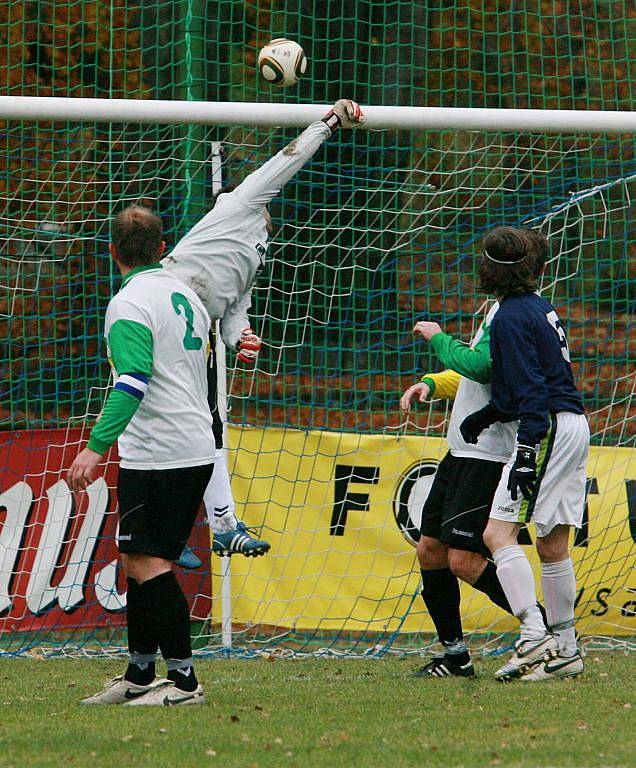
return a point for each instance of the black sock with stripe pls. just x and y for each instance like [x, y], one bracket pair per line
[142, 643]
[168, 610]
[440, 591]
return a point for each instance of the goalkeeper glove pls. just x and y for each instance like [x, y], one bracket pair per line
[475, 423]
[345, 113]
[249, 346]
[523, 473]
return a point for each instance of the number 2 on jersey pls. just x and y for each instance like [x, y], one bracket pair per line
[179, 302]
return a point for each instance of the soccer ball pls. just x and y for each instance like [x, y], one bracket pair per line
[282, 62]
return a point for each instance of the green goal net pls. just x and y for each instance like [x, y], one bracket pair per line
[381, 228]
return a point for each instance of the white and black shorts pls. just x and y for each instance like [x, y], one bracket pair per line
[559, 498]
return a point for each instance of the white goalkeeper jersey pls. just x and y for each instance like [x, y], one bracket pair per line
[495, 443]
[158, 325]
[221, 255]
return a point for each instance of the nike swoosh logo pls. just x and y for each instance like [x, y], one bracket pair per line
[134, 694]
[168, 702]
[555, 667]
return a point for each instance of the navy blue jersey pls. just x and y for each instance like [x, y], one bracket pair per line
[531, 372]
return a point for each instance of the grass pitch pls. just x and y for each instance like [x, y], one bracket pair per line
[322, 713]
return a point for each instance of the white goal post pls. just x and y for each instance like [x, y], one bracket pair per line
[264, 115]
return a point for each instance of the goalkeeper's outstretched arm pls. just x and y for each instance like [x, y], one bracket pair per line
[220, 257]
[258, 189]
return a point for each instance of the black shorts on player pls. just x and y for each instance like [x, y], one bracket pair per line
[217, 422]
[157, 508]
[458, 504]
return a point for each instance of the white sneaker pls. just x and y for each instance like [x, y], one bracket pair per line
[561, 666]
[166, 694]
[527, 654]
[119, 691]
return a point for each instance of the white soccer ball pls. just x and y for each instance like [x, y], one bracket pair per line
[282, 62]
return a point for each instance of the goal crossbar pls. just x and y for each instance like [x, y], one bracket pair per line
[253, 114]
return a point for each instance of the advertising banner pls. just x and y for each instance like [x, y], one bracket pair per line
[342, 513]
[58, 558]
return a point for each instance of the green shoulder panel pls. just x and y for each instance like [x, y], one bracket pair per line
[131, 347]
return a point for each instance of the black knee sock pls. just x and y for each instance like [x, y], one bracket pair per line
[142, 643]
[489, 584]
[440, 590]
[168, 609]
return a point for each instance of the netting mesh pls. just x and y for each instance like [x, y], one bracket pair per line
[379, 229]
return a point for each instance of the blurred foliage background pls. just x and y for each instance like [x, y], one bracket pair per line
[396, 217]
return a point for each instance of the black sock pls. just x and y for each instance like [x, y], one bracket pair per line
[544, 615]
[183, 676]
[489, 584]
[440, 590]
[168, 609]
[142, 643]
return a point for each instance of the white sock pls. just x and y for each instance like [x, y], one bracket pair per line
[559, 593]
[223, 519]
[218, 500]
[517, 581]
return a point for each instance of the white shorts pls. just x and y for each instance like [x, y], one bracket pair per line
[561, 462]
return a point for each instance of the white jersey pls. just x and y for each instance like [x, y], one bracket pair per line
[172, 426]
[221, 255]
[495, 443]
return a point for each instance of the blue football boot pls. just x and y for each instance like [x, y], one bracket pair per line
[188, 560]
[239, 541]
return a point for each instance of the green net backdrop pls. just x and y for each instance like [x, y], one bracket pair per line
[381, 228]
[345, 374]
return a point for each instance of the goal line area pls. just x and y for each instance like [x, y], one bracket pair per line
[381, 228]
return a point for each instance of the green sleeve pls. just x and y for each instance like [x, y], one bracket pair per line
[119, 409]
[473, 363]
[131, 347]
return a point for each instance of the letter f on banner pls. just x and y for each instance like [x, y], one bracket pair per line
[344, 501]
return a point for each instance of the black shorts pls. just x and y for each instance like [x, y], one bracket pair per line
[158, 507]
[213, 396]
[458, 504]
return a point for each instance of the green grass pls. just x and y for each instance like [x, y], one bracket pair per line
[321, 713]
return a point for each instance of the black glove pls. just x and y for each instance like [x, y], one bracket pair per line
[523, 473]
[474, 424]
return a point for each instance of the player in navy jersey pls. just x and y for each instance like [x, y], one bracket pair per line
[544, 482]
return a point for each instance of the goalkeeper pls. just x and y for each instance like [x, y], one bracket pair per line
[456, 511]
[219, 259]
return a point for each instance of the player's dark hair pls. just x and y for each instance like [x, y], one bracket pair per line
[137, 234]
[512, 261]
[540, 248]
[230, 187]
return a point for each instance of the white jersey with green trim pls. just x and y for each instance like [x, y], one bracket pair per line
[220, 257]
[495, 443]
[172, 426]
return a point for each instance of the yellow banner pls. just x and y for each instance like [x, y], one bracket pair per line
[342, 513]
